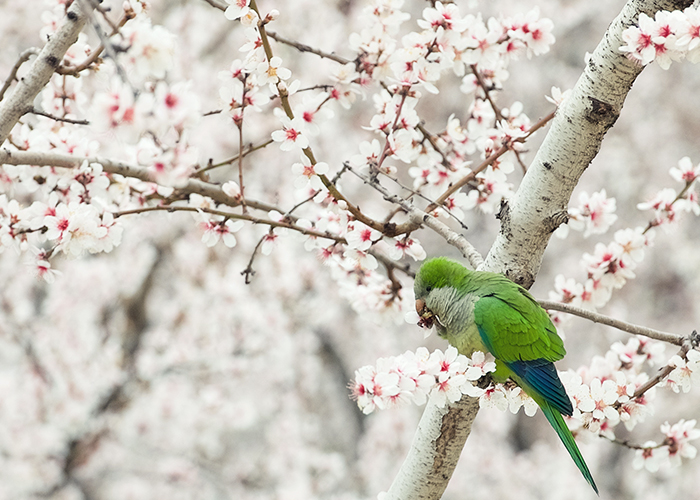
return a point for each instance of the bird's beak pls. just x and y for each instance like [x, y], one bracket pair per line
[426, 315]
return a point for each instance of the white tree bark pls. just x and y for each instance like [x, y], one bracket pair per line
[435, 451]
[21, 101]
[574, 139]
[527, 222]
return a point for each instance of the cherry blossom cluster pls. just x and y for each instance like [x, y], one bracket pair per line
[415, 377]
[667, 204]
[354, 266]
[611, 265]
[676, 446]
[449, 40]
[603, 393]
[686, 371]
[668, 37]
[72, 209]
[594, 215]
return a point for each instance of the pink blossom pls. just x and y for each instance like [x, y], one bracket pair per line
[291, 135]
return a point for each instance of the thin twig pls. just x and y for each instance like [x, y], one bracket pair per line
[228, 161]
[231, 215]
[488, 161]
[306, 48]
[615, 323]
[107, 45]
[59, 118]
[239, 124]
[690, 342]
[633, 446]
[249, 272]
[216, 4]
[419, 217]
[51, 159]
[484, 87]
[429, 137]
[23, 57]
[95, 55]
[308, 152]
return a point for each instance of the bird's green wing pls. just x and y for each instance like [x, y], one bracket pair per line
[513, 325]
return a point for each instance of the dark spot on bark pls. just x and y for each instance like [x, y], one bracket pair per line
[552, 222]
[389, 228]
[601, 112]
[52, 61]
[503, 211]
[547, 165]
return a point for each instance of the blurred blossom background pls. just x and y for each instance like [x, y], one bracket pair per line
[154, 371]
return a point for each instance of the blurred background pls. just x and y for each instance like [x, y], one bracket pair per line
[154, 371]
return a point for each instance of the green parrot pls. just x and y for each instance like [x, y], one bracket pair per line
[483, 311]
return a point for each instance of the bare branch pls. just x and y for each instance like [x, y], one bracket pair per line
[306, 48]
[95, 55]
[231, 215]
[59, 118]
[615, 323]
[23, 57]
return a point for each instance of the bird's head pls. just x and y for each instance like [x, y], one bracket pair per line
[434, 275]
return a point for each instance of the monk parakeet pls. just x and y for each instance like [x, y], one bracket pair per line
[483, 311]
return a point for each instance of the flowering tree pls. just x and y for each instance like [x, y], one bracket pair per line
[151, 353]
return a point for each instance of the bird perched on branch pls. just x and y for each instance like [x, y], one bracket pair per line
[483, 311]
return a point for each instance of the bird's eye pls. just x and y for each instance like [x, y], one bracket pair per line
[428, 288]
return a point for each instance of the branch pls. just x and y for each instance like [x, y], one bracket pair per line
[95, 55]
[306, 48]
[58, 118]
[572, 142]
[231, 215]
[690, 342]
[615, 323]
[419, 217]
[484, 164]
[526, 225]
[49, 159]
[23, 57]
[251, 148]
[434, 451]
[43, 67]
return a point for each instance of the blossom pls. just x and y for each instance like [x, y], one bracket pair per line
[217, 229]
[651, 457]
[272, 72]
[407, 246]
[677, 439]
[685, 372]
[313, 113]
[685, 172]
[414, 377]
[291, 134]
[558, 97]
[594, 215]
[236, 9]
[361, 237]
[567, 291]
[308, 174]
[151, 48]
